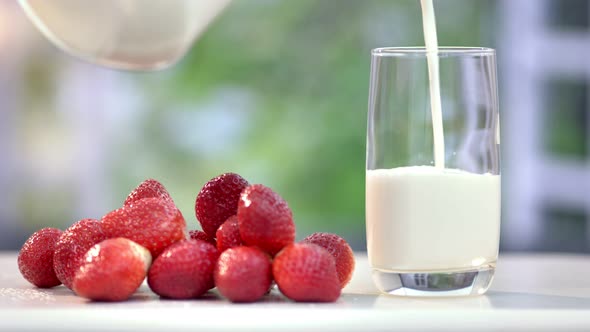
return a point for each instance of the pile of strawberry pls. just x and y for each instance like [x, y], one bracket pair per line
[247, 242]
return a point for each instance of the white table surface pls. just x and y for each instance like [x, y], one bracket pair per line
[530, 292]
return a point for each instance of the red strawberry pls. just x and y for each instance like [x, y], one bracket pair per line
[35, 259]
[340, 250]
[200, 235]
[150, 222]
[218, 200]
[228, 234]
[264, 219]
[112, 270]
[306, 272]
[146, 189]
[71, 247]
[184, 270]
[243, 274]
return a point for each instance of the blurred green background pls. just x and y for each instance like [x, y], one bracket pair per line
[274, 90]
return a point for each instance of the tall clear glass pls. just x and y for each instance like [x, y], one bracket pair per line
[433, 229]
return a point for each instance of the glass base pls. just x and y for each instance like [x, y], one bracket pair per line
[432, 284]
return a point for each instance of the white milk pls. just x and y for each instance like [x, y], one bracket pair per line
[431, 43]
[424, 218]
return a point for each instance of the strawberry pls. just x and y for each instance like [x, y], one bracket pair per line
[218, 200]
[200, 235]
[71, 247]
[112, 270]
[228, 234]
[146, 189]
[150, 222]
[340, 250]
[264, 219]
[243, 274]
[306, 272]
[35, 259]
[184, 270]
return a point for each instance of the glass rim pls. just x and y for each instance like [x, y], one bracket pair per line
[441, 51]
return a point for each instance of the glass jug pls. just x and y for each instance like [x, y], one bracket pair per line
[124, 34]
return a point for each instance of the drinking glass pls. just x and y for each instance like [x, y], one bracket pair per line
[433, 229]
